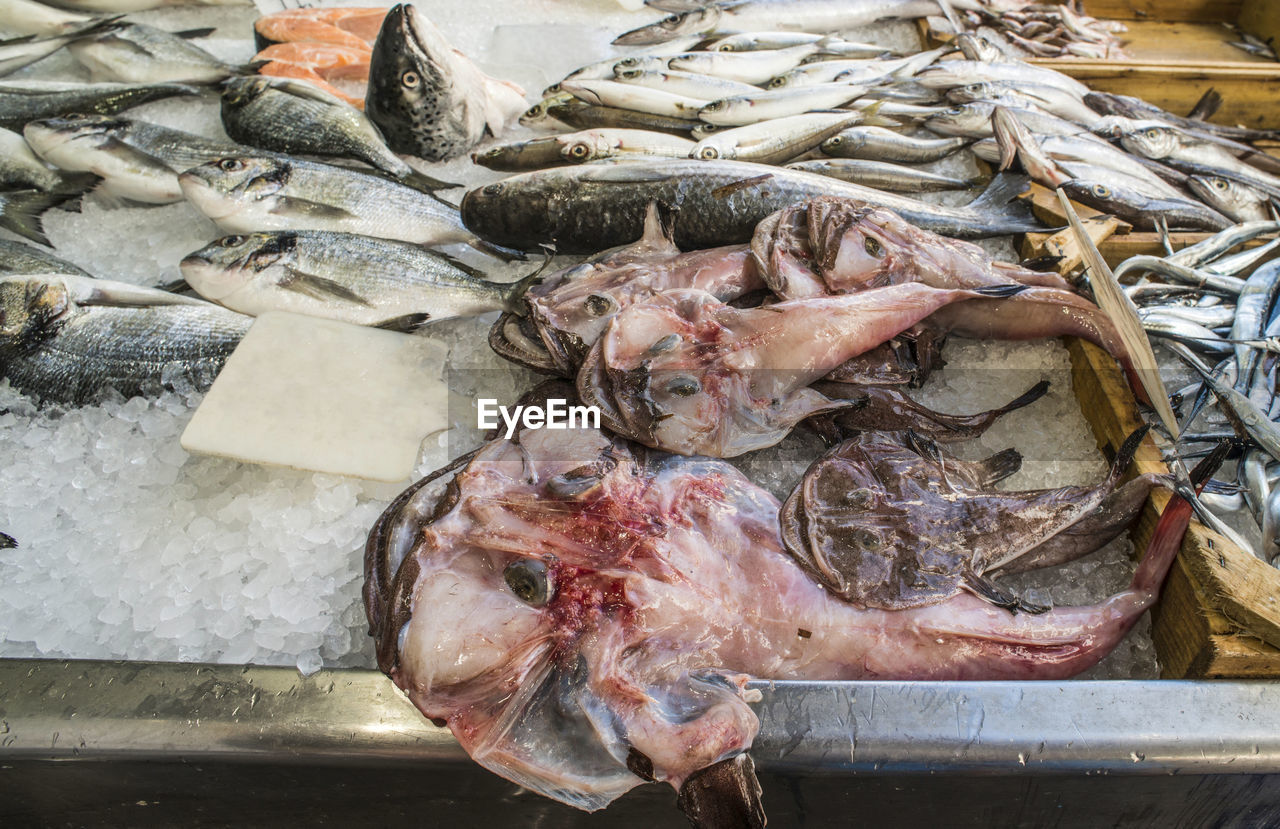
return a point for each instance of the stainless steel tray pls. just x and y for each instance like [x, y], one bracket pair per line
[162, 744]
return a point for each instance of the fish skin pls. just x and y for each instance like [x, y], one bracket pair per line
[773, 141]
[136, 160]
[20, 169]
[427, 99]
[357, 279]
[1141, 210]
[23, 101]
[1233, 199]
[289, 116]
[896, 178]
[25, 17]
[138, 53]
[250, 193]
[58, 351]
[880, 144]
[583, 116]
[602, 204]
[20, 258]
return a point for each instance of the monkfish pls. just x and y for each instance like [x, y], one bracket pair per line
[584, 615]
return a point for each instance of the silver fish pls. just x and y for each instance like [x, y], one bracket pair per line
[19, 258]
[138, 53]
[747, 67]
[136, 160]
[777, 103]
[18, 52]
[26, 17]
[583, 146]
[247, 193]
[688, 84]
[20, 169]
[880, 144]
[881, 175]
[58, 349]
[774, 141]
[635, 98]
[357, 279]
[291, 116]
[1188, 153]
[23, 101]
[1220, 243]
[954, 73]
[1232, 198]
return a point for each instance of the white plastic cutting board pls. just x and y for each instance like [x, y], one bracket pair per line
[324, 396]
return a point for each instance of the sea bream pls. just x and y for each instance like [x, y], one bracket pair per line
[584, 616]
[23, 101]
[429, 99]
[582, 209]
[67, 339]
[357, 279]
[686, 373]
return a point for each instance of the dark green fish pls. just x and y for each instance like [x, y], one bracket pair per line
[23, 101]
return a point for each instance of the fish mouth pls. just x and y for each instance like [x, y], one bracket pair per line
[408, 25]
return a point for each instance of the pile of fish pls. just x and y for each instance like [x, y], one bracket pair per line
[1042, 30]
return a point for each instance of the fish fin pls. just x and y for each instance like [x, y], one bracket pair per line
[406, 323]
[1208, 104]
[469, 270]
[319, 287]
[192, 34]
[14, 41]
[1042, 264]
[310, 209]
[427, 184]
[989, 591]
[177, 286]
[726, 793]
[21, 212]
[1001, 291]
[1001, 198]
[7, 542]
[999, 466]
[498, 251]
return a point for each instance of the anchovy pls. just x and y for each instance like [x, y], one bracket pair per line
[291, 116]
[880, 175]
[136, 160]
[138, 53]
[60, 350]
[244, 194]
[23, 101]
[357, 279]
[593, 206]
[880, 144]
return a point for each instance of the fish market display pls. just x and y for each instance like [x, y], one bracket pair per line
[60, 346]
[342, 71]
[355, 27]
[583, 616]
[428, 99]
[359, 279]
[20, 258]
[1040, 30]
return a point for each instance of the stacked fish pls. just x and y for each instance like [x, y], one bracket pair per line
[1216, 309]
[1042, 30]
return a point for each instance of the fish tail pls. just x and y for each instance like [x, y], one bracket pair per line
[22, 212]
[421, 181]
[1000, 466]
[1000, 201]
[498, 251]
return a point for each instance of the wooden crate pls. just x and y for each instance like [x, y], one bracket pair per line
[1178, 50]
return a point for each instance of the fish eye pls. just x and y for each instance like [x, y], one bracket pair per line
[230, 241]
[777, 82]
[725, 47]
[835, 142]
[493, 189]
[630, 73]
[410, 79]
[872, 246]
[579, 151]
[1153, 132]
[598, 305]
[534, 111]
[1221, 183]
[527, 579]
[627, 62]
[684, 386]
[1102, 191]
[665, 344]
[230, 165]
[714, 106]
[708, 153]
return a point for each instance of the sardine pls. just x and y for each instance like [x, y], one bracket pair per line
[745, 67]
[895, 178]
[59, 350]
[136, 160]
[583, 116]
[357, 279]
[949, 74]
[428, 99]
[880, 144]
[1025, 94]
[774, 141]
[779, 103]
[23, 101]
[633, 97]
[290, 116]
[138, 53]
[597, 205]
[973, 120]
[246, 194]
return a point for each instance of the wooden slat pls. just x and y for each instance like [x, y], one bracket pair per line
[1064, 244]
[1261, 18]
[1242, 588]
[1203, 10]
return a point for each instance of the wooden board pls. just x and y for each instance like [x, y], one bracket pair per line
[1203, 10]
[1194, 637]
